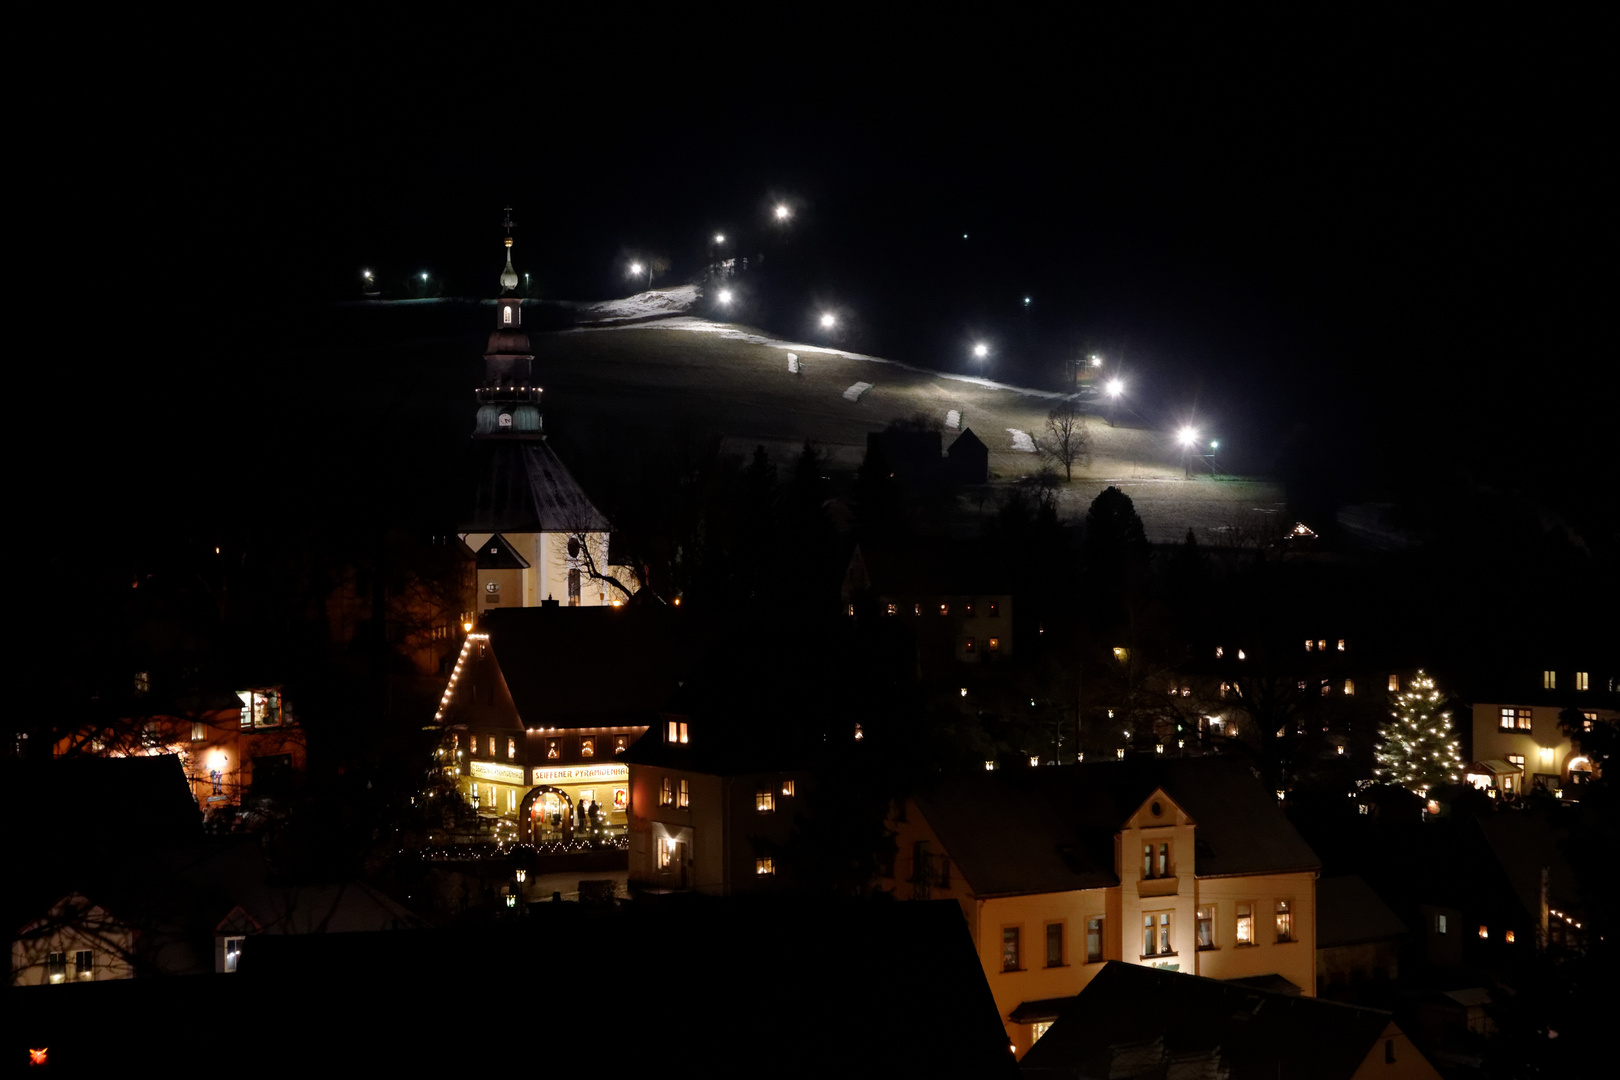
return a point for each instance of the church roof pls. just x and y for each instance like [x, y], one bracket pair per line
[523, 486]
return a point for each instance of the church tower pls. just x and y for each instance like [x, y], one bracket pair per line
[537, 536]
[509, 401]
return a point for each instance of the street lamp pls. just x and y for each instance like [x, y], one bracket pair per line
[725, 296]
[782, 212]
[1115, 388]
[1187, 437]
[719, 238]
[828, 320]
[636, 269]
[981, 350]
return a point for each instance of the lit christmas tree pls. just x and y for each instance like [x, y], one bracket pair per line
[1416, 747]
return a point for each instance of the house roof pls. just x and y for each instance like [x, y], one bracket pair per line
[523, 486]
[1133, 1021]
[1348, 912]
[1052, 829]
[583, 667]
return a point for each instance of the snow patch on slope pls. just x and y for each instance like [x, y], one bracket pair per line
[704, 326]
[654, 304]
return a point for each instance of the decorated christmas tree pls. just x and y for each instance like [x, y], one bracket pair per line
[1416, 746]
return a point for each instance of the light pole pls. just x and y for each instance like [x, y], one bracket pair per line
[1187, 437]
[1115, 388]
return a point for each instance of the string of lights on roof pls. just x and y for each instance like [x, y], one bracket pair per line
[455, 674]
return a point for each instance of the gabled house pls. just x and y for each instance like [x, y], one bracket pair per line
[1179, 864]
[1519, 744]
[544, 702]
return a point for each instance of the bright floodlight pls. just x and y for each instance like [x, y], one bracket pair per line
[781, 211]
[1188, 436]
[1116, 387]
[424, 275]
[827, 321]
[366, 274]
[635, 268]
[725, 296]
[981, 350]
[1026, 301]
[1096, 361]
[719, 238]
[1214, 444]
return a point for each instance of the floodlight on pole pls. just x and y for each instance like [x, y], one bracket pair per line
[981, 350]
[1116, 387]
[782, 212]
[725, 296]
[1096, 361]
[828, 321]
[719, 238]
[1187, 437]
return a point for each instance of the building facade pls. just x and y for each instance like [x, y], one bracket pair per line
[1518, 741]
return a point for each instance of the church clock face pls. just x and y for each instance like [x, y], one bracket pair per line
[505, 420]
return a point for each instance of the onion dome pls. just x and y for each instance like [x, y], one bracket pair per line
[509, 278]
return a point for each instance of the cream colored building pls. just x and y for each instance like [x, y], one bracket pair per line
[1183, 865]
[1519, 743]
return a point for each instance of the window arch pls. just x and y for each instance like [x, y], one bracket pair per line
[506, 315]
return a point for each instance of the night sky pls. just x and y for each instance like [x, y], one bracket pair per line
[1379, 238]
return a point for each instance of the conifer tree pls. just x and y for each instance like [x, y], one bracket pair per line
[1417, 748]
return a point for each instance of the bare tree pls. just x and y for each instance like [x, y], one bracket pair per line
[1068, 440]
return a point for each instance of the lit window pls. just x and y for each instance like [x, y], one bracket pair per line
[1349, 686]
[1515, 719]
[787, 788]
[56, 968]
[1219, 652]
[1581, 681]
[672, 732]
[1285, 920]
[1156, 860]
[84, 966]
[1094, 940]
[1009, 949]
[1439, 924]
[492, 746]
[995, 644]
[1516, 759]
[1549, 680]
[683, 733]
[621, 743]
[233, 952]
[511, 748]
[850, 610]
[1245, 924]
[765, 801]
[765, 866]
[1341, 644]
[587, 748]
[666, 793]
[916, 609]
[1394, 683]
[1037, 1029]
[506, 315]
[1508, 937]
[1309, 644]
[1322, 645]
[684, 797]
[969, 646]
[199, 731]
[1156, 934]
[1206, 927]
[1224, 688]
[859, 734]
[1484, 933]
[666, 854]
[1054, 944]
[892, 608]
[1587, 720]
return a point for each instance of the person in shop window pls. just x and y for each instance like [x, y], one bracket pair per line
[594, 813]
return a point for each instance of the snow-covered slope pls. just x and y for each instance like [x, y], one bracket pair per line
[653, 304]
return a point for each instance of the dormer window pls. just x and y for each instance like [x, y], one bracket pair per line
[621, 743]
[587, 748]
[676, 732]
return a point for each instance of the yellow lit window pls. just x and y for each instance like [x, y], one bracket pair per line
[995, 644]
[684, 797]
[1549, 680]
[1245, 924]
[1341, 644]
[1309, 644]
[787, 788]
[666, 793]
[1484, 933]
[765, 801]
[1394, 683]
[492, 746]
[916, 609]
[1581, 681]
[1349, 686]
[1285, 920]
[672, 731]
[765, 866]
[683, 732]
[1039, 1028]
[892, 609]
[1508, 937]
[511, 748]
[587, 748]
[1322, 645]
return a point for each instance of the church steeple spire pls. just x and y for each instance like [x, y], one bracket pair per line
[509, 278]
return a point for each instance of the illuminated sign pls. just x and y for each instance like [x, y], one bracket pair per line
[574, 773]
[505, 774]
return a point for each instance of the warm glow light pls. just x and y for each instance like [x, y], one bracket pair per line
[38, 1056]
[466, 628]
[1034, 759]
[989, 766]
